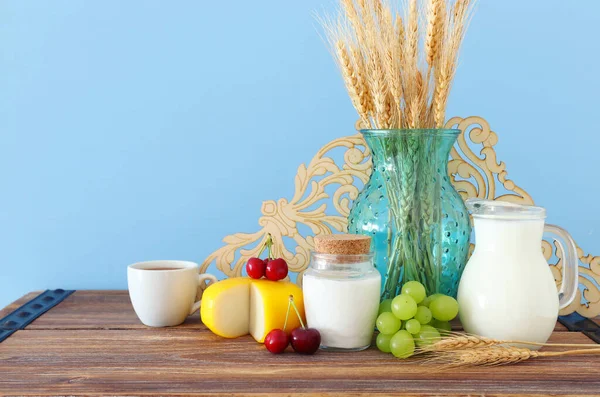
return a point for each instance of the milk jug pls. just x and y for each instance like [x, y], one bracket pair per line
[507, 290]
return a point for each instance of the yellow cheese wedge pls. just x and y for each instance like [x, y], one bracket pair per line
[268, 307]
[224, 308]
[238, 306]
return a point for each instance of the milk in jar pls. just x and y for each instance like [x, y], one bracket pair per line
[341, 292]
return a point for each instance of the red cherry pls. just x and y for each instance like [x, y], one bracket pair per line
[255, 267]
[305, 340]
[277, 269]
[276, 341]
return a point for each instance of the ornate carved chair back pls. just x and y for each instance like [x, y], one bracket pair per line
[324, 190]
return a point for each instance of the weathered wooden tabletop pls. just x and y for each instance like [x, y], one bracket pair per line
[93, 344]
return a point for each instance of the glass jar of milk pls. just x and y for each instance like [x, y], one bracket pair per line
[341, 299]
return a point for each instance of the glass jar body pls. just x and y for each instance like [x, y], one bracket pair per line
[341, 299]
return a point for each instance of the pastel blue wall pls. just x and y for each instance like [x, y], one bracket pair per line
[134, 130]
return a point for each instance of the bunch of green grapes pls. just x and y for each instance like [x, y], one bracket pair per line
[412, 318]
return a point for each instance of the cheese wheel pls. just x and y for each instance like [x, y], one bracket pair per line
[238, 306]
[269, 304]
[224, 307]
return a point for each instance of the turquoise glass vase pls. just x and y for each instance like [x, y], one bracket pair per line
[418, 223]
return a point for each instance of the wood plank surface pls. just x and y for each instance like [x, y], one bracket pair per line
[112, 310]
[164, 361]
[92, 344]
[108, 309]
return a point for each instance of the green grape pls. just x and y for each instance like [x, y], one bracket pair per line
[414, 289]
[402, 344]
[442, 326]
[385, 306]
[383, 342]
[444, 308]
[387, 323]
[404, 307]
[427, 301]
[423, 315]
[427, 336]
[413, 326]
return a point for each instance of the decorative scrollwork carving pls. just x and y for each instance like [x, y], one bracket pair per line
[480, 175]
[324, 192]
[308, 206]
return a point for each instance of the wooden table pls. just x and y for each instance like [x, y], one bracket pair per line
[93, 344]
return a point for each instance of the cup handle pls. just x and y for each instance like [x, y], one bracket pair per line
[570, 269]
[201, 279]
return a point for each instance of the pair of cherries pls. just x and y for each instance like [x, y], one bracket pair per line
[303, 340]
[272, 269]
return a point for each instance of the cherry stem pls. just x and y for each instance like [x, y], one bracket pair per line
[297, 312]
[287, 315]
[267, 244]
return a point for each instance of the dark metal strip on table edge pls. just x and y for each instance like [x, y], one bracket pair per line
[24, 315]
[575, 322]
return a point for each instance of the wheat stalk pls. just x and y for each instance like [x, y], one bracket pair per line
[457, 21]
[435, 30]
[459, 341]
[351, 78]
[436, 24]
[397, 78]
[410, 63]
[495, 356]
[354, 17]
[404, 70]
[361, 74]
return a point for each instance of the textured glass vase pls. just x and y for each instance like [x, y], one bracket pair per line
[418, 222]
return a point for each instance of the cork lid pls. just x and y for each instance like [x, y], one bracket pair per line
[343, 244]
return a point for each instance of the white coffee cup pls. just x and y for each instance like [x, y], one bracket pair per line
[163, 293]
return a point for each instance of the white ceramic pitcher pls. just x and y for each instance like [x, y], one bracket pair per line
[507, 290]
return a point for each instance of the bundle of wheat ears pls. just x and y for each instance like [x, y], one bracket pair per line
[463, 350]
[398, 69]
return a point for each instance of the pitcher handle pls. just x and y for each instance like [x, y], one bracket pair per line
[570, 269]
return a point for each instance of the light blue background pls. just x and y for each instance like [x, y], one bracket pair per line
[135, 130]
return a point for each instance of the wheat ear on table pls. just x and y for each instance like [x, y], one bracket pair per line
[458, 341]
[496, 356]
